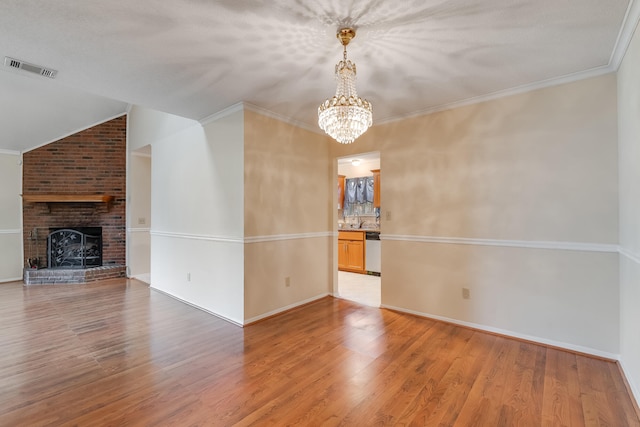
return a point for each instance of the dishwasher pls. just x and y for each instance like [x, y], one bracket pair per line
[372, 252]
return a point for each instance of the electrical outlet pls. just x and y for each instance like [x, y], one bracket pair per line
[466, 293]
[142, 221]
[287, 281]
[188, 277]
[388, 215]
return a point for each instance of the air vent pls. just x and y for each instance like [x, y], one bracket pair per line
[36, 69]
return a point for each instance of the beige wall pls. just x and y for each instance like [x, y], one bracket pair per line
[629, 158]
[287, 216]
[527, 174]
[10, 216]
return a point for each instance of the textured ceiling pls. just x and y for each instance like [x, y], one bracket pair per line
[194, 58]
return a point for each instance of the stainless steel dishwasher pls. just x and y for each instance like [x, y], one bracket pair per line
[372, 253]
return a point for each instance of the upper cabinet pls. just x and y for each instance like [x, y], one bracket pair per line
[376, 188]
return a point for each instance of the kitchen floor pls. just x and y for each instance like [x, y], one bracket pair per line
[360, 288]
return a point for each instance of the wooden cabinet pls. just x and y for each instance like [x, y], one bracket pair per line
[376, 188]
[340, 191]
[351, 251]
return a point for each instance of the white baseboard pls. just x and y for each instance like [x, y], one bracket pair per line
[198, 307]
[11, 279]
[285, 308]
[144, 278]
[635, 390]
[543, 341]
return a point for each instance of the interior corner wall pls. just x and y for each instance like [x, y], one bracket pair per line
[515, 199]
[197, 252]
[629, 176]
[10, 217]
[288, 216]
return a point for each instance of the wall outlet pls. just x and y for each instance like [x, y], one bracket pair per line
[142, 221]
[188, 277]
[287, 281]
[466, 293]
[388, 215]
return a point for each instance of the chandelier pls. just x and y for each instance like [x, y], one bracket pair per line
[345, 116]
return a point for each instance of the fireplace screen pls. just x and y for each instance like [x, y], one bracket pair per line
[75, 247]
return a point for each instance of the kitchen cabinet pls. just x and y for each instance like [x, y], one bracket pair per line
[376, 188]
[341, 179]
[351, 251]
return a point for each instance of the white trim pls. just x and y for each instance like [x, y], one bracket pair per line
[285, 308]
[197, 306]
[139, 154]
[293, 122]
[635, 391]
[16, 231]
[223, 239]
[138, 230]
[629, 254]
[566, 346]
[76, 131]
[260, 110]
[568, 78]
[628, 27]
[222, 113]
[9, 152]
[230, 239]
[277, 237]
[144, 278]
[569, 246]
[9, 280]
[128, 108]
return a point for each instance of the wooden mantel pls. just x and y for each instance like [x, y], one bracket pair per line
[67, 198]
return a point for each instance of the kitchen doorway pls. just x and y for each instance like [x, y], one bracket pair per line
[358, 219]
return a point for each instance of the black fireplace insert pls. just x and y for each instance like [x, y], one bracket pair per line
[76, 247]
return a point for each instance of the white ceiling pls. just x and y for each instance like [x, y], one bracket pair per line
[194, 58]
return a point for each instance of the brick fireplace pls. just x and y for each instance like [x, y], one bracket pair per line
[78, 182]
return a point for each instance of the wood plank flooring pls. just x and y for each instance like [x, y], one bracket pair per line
[117, 353]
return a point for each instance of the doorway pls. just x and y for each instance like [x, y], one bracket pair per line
[139, 215]
[358, 218]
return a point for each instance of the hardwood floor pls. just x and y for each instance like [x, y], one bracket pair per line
[118, 353]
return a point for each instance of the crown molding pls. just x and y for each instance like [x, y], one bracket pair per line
[10, 152]
[628, 28]
[556, 81]
[76, 131]
[222, 113]
[271, 114]
[242, 105]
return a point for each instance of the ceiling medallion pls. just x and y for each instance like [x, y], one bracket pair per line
[345, 116]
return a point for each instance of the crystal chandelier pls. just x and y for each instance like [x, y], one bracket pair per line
[345, 116]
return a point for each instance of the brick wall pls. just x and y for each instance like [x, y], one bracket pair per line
[89, 162]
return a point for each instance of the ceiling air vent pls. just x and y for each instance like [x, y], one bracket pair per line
[32, 68]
